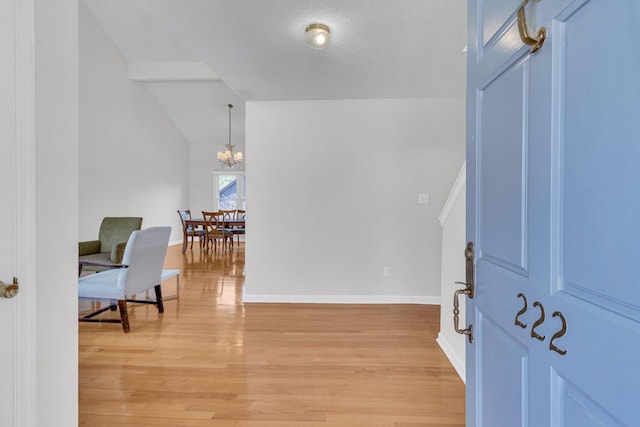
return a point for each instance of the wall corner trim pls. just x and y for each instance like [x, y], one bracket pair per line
[454, 358]
[453, 195]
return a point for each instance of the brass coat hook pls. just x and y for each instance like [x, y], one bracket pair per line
[541, 35]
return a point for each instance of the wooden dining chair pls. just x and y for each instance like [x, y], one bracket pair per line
[234, 214]
[238, 230]
[189, 231]
[228, 213]
[215, 231]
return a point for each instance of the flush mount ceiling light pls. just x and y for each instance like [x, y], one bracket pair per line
[317, 36]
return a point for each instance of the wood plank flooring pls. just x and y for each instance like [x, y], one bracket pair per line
[210, 360]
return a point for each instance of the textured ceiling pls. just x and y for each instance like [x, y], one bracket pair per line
[379, 49]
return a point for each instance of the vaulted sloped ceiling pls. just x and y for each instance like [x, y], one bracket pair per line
[197, 56]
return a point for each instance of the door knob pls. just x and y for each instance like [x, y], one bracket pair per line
[9, 291]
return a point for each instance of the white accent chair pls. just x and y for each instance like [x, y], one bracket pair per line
[141, 269]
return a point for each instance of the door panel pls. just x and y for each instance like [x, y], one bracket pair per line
[597, 239]
[503, 383]
[579, 409]
[502, 198]
[595, 176]
[553, 155]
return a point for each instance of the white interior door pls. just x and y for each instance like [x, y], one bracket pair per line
[553, 208]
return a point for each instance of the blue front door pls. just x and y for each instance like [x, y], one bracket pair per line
[553, 199]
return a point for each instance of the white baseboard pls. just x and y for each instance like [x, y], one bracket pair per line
[340, 299]
[457, 362]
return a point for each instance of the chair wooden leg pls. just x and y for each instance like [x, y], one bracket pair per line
[158, 290]
[124, 316]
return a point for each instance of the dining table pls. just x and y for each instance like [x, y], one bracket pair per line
[196, 223]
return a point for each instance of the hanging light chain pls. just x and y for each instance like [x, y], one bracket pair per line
[230, 107]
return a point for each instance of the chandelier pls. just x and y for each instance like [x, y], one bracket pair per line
[228, 158]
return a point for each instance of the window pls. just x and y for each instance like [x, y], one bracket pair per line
[229, 190]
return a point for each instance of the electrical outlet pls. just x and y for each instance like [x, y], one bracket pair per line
[386, 272]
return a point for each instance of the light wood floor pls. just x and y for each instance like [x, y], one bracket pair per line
[210, 360]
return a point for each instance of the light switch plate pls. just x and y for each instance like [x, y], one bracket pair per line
[424, 199]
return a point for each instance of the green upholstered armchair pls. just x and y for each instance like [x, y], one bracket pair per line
[98, 255]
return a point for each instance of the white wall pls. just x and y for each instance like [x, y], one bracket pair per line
[133, 160]
[332, 192]
[202, 160]
[56, 59]
[453, 220]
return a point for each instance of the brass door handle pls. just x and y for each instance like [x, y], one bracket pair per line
[9, 291]
[468, 290]
[541, 35]
[468, 331]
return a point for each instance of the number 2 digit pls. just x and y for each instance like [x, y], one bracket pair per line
[558, 334]
[521, 312]
[538, 322]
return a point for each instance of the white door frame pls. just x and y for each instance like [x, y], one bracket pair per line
[25, 345]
